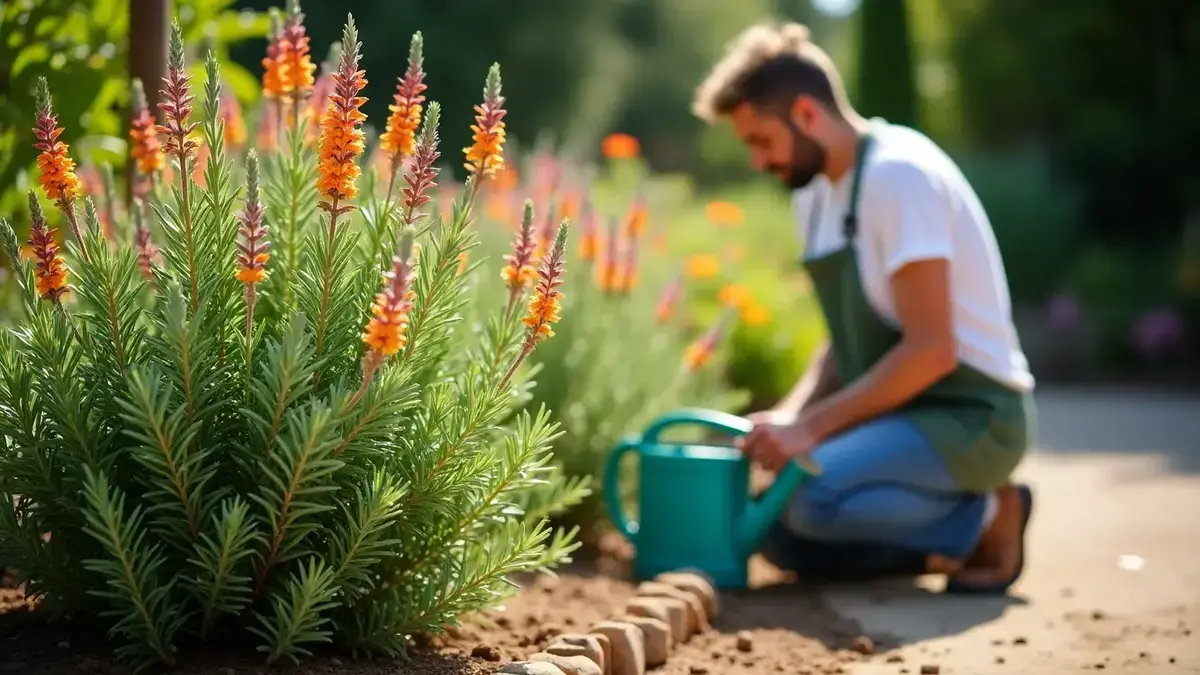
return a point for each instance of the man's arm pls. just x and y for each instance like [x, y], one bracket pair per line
[819, 381]
[924, 355]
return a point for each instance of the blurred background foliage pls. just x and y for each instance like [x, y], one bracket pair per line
[1078, 123]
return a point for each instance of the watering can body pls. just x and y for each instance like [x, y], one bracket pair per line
[694, 506]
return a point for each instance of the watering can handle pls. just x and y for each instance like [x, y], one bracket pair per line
[612, 487]
[713, 419]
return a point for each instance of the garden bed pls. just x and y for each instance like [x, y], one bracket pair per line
[784, 629]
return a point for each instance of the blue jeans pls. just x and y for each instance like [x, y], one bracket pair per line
[883, 503]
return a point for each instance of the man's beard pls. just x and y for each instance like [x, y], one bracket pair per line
[808, 160]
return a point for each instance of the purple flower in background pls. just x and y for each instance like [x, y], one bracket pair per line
[1158, 332]
[1064, 312]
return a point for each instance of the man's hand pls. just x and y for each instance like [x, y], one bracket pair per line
[776, 440]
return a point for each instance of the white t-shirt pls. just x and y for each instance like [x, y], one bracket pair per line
[915, 204]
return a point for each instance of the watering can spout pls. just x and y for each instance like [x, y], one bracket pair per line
[761, 513]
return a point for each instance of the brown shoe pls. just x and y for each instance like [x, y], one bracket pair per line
[999, 559]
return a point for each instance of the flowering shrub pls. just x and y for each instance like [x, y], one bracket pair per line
[626, 349]
[219, 418]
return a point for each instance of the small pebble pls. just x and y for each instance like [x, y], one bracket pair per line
[895, 658]
[999, 659]
[930, 669]
[64, 645]
[335, 662]
[864, 645]
[1171, 660]
[697, 670]
[1143, 655]
[1097, 615]
[997, 642]
[745, 641]
[1100, 666]
[1020, 641]
[486, 652]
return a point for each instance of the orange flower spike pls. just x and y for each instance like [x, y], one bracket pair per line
[699, 353]
[275, 79]
[50, 270]
[386, 332]
[143, 135]
[519, 272]
[629, 270]
[342, 139]
[664, 310]
[56, 168]
[400, 137]
[486, 155]
[297, 70]
[636, 225]
[588, 240]
[146, 250]
[544, 303]
[252, 249]
[235, 123]
[420, 177]
[609, 272]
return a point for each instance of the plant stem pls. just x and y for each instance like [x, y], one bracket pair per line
[73, 220]
[187, 231]
[326, 280]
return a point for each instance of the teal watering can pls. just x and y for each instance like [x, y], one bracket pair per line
[695, 508]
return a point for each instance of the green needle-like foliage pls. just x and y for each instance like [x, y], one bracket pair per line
[241, 415]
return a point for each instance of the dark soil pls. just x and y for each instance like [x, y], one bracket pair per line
[770, 628]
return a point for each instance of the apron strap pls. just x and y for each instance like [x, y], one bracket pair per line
[850, 221]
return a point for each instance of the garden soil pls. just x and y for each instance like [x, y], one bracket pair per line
[1112, 585]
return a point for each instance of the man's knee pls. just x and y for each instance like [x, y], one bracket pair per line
[815, 508]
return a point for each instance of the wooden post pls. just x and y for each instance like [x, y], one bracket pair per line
[149, 36]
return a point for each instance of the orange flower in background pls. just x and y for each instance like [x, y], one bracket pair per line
[620, 146]
[635, 225]
[486, 155]
[658, 243]
[50, 269]
[399, 139]
[298, 68]
[274, 79]
[519, 272]
[702, 266]
[699, 353]
[664, 310]
[589, 238]
[608, 272]
[568, 206]
[201, 165]
[754, 314]
[143, 136]
[733, 295]
[342, 138]
[724, 214]
[268, 128]
[628, 277]
[235, 124]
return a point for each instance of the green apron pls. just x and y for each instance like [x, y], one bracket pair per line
[980, 427]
